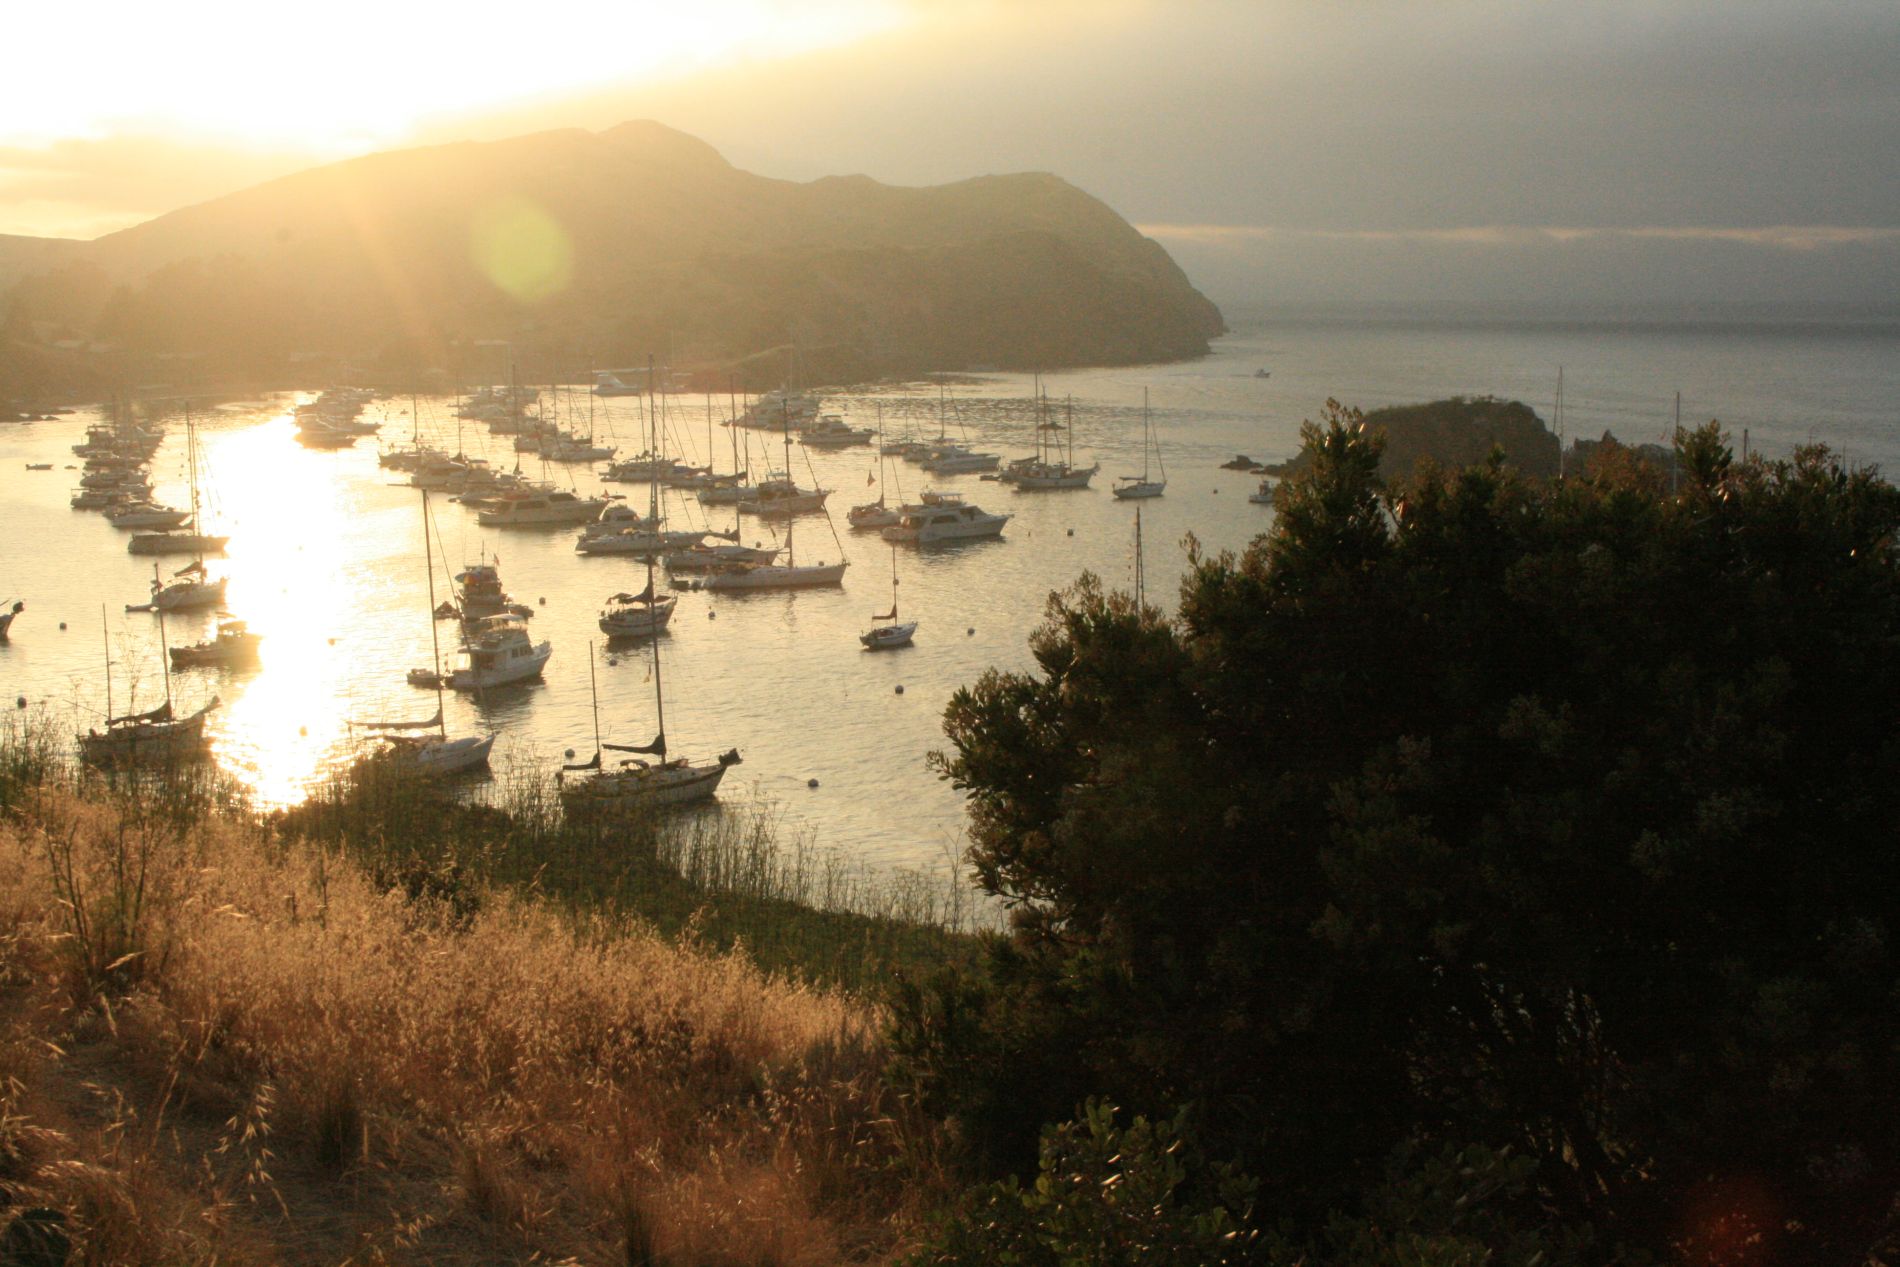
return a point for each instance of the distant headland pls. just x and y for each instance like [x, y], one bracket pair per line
[586, 249]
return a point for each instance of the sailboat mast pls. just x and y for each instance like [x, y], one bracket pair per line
[1141, 576]
[732, 406]
[653, 451]
[165, 661]
[435, 639]
[1147, 429]
[593, 693]
[785, 418]
[105, 637]
[191, 465]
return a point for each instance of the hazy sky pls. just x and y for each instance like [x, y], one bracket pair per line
[1335, 150]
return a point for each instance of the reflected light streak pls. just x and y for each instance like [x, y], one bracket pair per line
[281, 726]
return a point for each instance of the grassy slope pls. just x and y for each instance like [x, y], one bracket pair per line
[218, 1043]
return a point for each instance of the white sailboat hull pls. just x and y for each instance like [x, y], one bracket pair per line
[148, 742]
[189, 595]
[884, 637]
[637, 620]
[1139, 489]
[449, 756]
[674, 783]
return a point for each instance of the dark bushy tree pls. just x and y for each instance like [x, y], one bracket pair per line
[1557, 818]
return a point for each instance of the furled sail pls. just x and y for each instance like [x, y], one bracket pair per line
[656, 748]
[402, 725]
[162, 713]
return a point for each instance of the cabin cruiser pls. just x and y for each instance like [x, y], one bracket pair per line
[954, 521]
[539, 509]
[232, 644]
[648, 467]
[617, 516]
[497, 652]
[479, 595]
[831, 432]
[709, 557]
[959, 461]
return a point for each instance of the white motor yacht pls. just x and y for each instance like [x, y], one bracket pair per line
[924, 524]
[498, 652]
[539, 509]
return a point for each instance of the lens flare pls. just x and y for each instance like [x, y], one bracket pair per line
[521, 249]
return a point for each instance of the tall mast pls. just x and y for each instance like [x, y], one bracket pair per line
[164, 657]
[191, 465]
[105, 636]
[1145, 427]
[653, 451]
[732, 406]
[593, 692]
[1141, 576]
[785, 416]
[435, 639]
[1557, 418]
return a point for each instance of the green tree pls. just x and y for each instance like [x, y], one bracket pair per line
[1549, 817]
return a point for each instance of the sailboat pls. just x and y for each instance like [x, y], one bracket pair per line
[1129, 487]
[437, 754]
[1049, 469]
[154, 737]
[877, 514]
[193, 540]
[884, 637]
[632, 783]
[786, 575]
[191, 588]
[644, 614]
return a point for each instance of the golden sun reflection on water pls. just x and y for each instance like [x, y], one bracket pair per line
[292, 580]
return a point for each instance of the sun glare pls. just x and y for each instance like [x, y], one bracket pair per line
[352, 74]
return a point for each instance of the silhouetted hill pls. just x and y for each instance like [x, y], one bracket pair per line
[1457, 432]
[602, 247]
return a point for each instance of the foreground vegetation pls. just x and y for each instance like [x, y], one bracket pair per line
[1481, 868]
[224, 1041]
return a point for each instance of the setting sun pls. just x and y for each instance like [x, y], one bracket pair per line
[353, 74]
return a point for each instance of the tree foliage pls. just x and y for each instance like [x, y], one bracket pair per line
[1549, 817]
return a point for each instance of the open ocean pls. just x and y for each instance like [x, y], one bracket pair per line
[326, 548]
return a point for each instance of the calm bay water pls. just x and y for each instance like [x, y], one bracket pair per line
[326, 553]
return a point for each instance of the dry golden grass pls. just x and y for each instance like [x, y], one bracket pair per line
[222, 1046]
